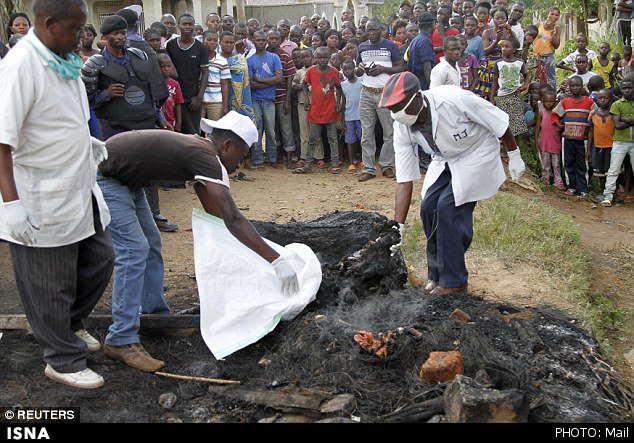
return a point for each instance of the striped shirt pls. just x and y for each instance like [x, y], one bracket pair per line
[218, 71]
[288, 72]
[575, 115]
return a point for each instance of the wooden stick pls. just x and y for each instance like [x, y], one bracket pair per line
[201, 379]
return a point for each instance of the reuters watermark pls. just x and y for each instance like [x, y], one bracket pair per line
[17, 415]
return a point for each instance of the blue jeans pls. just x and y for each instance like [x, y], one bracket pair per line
[138, 264]
[265, 118]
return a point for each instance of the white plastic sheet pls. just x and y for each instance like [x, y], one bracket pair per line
[240, 294]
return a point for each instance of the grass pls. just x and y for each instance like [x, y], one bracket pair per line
[518, 230]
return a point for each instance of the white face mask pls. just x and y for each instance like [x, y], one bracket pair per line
[404, 118]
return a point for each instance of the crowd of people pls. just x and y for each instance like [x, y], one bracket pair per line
[330, 121]
[184, 101]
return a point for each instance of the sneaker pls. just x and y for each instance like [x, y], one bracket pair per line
[91, 342]
[165, 226]
[583, 195]
[86, 379]
[598, 198]
[133, 355]
[606, 202]
[570, 191]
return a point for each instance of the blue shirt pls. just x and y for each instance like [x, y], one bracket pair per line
[264, 66]
[352, 91]
[475, 47]
[420, 50]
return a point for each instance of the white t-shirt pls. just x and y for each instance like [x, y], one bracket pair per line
[444, 74]
[47, 130]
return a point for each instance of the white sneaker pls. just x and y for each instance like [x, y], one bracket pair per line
[93, 344]
[86, 379]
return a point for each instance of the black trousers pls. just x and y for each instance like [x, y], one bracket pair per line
[190, 119]
[449, 231]
[59, 287]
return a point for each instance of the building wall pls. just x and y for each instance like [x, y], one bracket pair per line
[330, 10]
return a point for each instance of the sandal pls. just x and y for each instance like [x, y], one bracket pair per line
[341, 163]
[261, 167]
[302, 170]
[300, 163]
[321, 164]
[352, 169]
[336, 170]
[274, 165]
[289, 165]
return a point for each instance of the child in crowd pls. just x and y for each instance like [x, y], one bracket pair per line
[457, 22]
[351, 88]
[317, 41]
[491, 39]
[575, 111]
[581, 63]
[474, 41]
[216, 97]
[600, 133]
[595, 84]
[548, 141]
[349, 52]
[153, 38]
[603, 66]
[323, 107]
[623, 139]
[467, 65]
[172, 107]
[336, 60]
[530, 116]
[625, 65]
[307, 62]
[568, 62]
[507, 86]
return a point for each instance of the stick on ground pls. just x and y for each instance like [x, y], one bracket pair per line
[200, 379]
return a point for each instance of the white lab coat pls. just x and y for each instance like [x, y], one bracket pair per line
[45, 122]
[466, 130]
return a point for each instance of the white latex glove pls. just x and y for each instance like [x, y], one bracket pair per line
[516, 165]
[19, 223]
[99, 151]
[287, 275]
[397, 247]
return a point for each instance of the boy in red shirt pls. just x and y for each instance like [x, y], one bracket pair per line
[575, 111]
[172, 106]
[323, 107]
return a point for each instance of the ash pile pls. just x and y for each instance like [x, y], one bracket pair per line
[390, 353]
[370, 349]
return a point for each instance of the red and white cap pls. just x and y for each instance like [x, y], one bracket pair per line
[397, 88]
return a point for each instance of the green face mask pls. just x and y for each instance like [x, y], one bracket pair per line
[69, 68]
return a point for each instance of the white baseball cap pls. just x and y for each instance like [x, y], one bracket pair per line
[136, 8]
[239, 124]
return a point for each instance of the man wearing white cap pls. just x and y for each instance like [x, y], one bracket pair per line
[136, 160]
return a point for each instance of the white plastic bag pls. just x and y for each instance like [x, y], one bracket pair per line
[240, 294]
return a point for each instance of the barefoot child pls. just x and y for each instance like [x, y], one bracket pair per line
[549, 144]
[351, 88]
[323, 107]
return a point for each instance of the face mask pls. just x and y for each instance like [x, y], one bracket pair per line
[404, 118]
[68, 68]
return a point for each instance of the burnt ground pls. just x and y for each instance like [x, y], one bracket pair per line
[540, 351]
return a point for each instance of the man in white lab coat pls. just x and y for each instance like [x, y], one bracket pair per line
[461, 132]
[53, 213]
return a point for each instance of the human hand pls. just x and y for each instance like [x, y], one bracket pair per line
[195, 103]
[115, 90]
[307, 106]
[19, 223]
[516, 165]
[99, 151]
[166, 126]
[240, 46]
[376, 70]
[397, 247]
[287, 106]
[287, 275]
